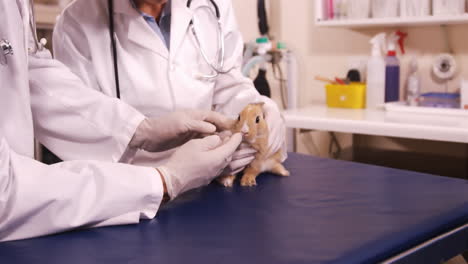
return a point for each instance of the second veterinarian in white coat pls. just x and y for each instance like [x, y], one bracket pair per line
[160, 72]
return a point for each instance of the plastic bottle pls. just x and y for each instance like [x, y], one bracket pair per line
[392, 71]
[413, 85]
[376, 73]
[337, 9]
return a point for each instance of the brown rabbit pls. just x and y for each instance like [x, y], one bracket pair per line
[251, 123]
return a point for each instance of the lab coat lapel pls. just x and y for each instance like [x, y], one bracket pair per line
[139, 31]
[180, 19]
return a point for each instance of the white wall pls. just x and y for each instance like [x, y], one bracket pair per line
[246, 13]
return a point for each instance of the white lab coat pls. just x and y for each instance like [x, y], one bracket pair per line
[152, 79]
[36, 199]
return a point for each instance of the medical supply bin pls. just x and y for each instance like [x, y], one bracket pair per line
[440, 100]
[346, 96]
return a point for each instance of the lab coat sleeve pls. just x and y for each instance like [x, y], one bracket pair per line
[76, 122]
[233, 91]
[38, 199]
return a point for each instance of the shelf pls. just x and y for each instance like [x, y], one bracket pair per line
[395, 22]
[46, 15]
[379, 123]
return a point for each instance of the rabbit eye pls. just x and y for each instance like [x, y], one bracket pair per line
[257, 120]
[238, 118]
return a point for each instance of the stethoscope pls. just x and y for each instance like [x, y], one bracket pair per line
[216, 67]
[6, 49]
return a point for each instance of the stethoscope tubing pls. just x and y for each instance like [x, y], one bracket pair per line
[114, 47]
[218, 68]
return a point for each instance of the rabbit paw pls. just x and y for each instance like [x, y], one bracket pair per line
[284, 172]
[248, 180]
[227, 181]
[280, 170]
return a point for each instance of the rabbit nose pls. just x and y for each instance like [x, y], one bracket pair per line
[245, 129]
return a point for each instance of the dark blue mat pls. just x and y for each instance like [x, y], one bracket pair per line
[327, 212]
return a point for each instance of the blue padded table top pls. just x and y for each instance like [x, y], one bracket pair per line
[328, 211]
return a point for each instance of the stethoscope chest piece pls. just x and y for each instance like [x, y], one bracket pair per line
[5, 50]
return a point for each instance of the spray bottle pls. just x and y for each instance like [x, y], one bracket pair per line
[376, 73]
[392, 70]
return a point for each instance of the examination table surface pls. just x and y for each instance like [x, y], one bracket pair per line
[327, 211]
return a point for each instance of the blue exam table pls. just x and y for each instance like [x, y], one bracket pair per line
[328, 211]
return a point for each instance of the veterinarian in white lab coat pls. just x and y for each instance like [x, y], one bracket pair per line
[40, 97]
[161, 67]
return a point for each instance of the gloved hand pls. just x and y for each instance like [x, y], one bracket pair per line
[276, 127]
[198, 162]
[243, 156]
[167, 132]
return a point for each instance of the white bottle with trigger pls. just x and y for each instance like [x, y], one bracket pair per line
[375, 94]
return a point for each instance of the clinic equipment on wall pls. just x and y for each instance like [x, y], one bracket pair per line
[262, 52]
[216, 68]
[263, 26]
[260, 55]
[261, 82]
[264, 45]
